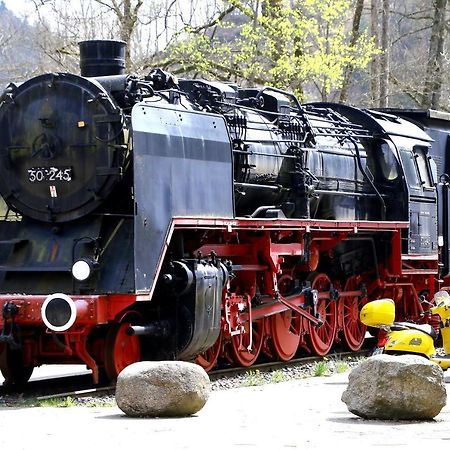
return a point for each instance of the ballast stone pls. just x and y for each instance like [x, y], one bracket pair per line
[387, 387]
[162, 389]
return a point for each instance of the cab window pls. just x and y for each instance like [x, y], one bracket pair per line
[388, 162]
[410, 168]
[422, 164]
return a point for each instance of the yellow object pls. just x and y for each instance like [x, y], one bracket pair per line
[378, 314]
[443, 362]
[81, 124]
[410, 341]
[445, 333]
[442, 308]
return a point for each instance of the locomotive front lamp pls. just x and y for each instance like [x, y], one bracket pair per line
[83, 268]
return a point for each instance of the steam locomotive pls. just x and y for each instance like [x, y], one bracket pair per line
[156, 218]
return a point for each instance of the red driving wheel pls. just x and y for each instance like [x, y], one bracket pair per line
[321, 337]
[349, 307]
[208, 358]
[285, 329]
[121, 350]
[245, 347]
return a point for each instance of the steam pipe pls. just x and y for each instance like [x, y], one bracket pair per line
[157, 329]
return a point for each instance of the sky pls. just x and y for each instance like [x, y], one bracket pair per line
[19, 7]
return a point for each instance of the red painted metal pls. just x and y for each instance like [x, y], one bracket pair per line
[396, 253]
[286, 330]
[290, 303]
[349, 306]
[208, 358]
[321, 337]
[71, 346]
[82, 352]
[271, 258]
[246, 346]
[121, 350]
[100, 309]
[353, 226]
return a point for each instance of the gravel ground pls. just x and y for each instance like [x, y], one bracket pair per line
[253, 377]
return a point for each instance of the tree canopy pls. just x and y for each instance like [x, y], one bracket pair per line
[288, 47]
[367, 52]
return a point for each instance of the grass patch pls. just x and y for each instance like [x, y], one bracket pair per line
[321, 369]
[69, 402]
[57, 402]
[341, 366]
[277, 376]
[253, 378]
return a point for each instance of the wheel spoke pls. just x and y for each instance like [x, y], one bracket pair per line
[121, 350]
[208, 359]
[242, 354]
[285, 330]
[353, 329]
[322, 337]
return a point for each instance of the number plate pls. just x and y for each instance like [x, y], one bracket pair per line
[42, 174]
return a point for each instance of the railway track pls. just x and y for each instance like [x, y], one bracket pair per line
[80, 386]
[276, 365]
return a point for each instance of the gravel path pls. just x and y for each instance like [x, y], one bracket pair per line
[253, 377]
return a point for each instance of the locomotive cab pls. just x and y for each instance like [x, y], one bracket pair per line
[413, 146]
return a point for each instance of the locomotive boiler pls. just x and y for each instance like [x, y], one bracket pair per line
[156, 218]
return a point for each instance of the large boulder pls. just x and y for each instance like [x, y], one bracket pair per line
[162, 389]
[396, 387]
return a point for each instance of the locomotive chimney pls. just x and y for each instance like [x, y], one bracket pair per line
[99, 58]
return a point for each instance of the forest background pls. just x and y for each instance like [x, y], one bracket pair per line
[373, 53]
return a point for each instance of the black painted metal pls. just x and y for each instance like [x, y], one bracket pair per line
[182, 167]
[102, 57]
[214, 151]
[443, 189]
[60, 147]
[408, 196]
[196, 313]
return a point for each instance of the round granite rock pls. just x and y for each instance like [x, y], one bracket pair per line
[390, 387]
[162, 389]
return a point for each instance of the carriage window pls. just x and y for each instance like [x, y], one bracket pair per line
[388, 162]
[421, 159]
[410, 168]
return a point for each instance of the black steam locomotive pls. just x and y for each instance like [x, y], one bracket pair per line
[151, 218]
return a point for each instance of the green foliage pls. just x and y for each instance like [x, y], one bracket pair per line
[65, 402]
[253, 378]
[68, 402]
[285, 47]
[321, 369]
[278, 377]
[341, 366]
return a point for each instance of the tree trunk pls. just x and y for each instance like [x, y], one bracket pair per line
[433, 77]
[384, 60]
[126, 29]
[354, 39]
[375, 63]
